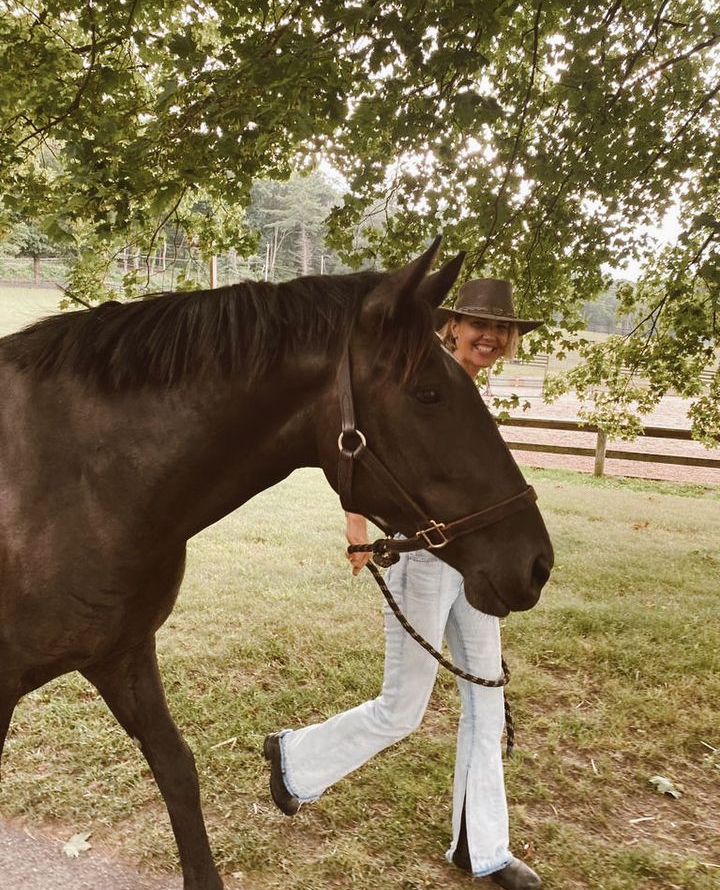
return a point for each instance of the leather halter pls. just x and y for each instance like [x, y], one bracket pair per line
[430, 535]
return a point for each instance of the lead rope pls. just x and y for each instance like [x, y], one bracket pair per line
[438, 656]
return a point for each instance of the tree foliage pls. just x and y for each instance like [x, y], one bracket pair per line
[25, 239]
[541, 137]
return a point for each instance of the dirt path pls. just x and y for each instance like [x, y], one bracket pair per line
[31, 861]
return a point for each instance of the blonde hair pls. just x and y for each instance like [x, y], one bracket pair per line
[448, 341]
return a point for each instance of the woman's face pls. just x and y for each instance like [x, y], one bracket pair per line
[479, 342]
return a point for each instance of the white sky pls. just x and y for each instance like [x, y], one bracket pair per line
[666, 233]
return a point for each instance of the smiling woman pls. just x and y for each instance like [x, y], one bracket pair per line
[482, 326]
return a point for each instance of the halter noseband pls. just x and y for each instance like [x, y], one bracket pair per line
[430, 535]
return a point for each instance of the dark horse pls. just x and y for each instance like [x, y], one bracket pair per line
[127, 428]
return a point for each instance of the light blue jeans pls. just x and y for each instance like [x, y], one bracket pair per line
[432, 597]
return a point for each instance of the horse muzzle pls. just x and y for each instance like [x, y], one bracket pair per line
[500, 596]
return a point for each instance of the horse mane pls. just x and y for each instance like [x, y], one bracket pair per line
[246, 327]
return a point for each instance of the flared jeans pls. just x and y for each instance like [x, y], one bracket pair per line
[431, 596]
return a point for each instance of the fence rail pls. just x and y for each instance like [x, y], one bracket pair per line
[540, 360]
[601, 452]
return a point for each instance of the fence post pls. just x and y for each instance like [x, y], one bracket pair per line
[600, 447]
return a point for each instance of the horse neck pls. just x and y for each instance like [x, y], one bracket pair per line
[250, 439]
[186, 456]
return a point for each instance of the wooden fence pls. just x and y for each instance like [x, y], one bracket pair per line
[512, 374]
[601, 451]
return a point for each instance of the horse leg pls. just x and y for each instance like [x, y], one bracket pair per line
[8, 700]
[131, 686]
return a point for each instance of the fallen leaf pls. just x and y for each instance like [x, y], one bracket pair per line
[77, 844]
[664, 786]
[231, 741]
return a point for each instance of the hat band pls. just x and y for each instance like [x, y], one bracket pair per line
[488, 310]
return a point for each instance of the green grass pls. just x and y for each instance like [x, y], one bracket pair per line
[615, 679]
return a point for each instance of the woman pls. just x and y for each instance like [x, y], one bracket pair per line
[481, 328]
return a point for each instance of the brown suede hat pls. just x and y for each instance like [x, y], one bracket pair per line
[486, 298]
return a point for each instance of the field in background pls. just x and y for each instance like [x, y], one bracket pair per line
[615, 679]
[21, 306]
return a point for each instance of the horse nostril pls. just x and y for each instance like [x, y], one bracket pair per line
[540, 572]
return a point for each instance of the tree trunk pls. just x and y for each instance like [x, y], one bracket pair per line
[274, 251]
[304, 251]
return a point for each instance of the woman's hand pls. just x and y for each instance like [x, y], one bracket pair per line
[356, 533]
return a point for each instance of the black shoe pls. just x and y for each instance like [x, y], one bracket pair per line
[288, 803]
[517, 876]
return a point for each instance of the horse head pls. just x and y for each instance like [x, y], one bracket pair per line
[419, 448]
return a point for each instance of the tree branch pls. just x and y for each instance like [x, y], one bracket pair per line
[609, 16]
[656, 309]
[116, 39]
[711, 41]
[668, 144]
[520, 129]
[74, 105]
[632, 61]
[713, 236]
[41, 21]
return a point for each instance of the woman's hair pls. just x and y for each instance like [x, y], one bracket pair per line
[448, 341]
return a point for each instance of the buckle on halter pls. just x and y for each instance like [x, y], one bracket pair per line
[434, 528]
[351, 451]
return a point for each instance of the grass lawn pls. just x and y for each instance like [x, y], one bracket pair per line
[21, 306]
[615, 679]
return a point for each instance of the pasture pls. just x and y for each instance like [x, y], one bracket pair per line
[21, 306]
[615, 679]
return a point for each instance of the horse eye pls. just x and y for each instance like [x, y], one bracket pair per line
[428, 395]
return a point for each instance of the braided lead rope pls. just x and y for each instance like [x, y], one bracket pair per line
[438, 656]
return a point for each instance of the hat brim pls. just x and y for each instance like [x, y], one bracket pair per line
[524, 325]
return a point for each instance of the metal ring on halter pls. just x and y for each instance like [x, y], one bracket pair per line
[354, 452]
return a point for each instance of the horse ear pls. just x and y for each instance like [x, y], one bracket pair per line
[434, 288]
[398, 288]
